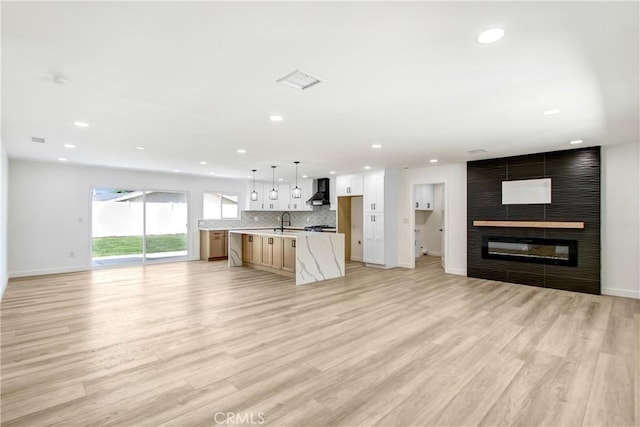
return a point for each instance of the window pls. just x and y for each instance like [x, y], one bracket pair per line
[220, 206]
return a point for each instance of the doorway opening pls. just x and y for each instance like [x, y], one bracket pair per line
[138, 226]
[429, 223]
[350, 223]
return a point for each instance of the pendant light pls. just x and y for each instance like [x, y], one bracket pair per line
[296, 193]
[254, 193]
[273, 194]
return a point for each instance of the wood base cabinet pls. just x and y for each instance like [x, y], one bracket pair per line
[289, 254]
[214, 245]
[276, 254]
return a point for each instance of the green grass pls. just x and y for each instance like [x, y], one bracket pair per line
[131, 245]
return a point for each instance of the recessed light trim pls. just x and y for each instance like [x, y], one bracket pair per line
[176, 170]
[62, 159]
[551, 112]
[305, 176]
[69, 146]
[433, 161]
[576, 142]
[241, 151]
[139, 148]
[367, 167]
[299, 79]
[81, 124]
[275, 118]
[203, 163]
[490, 36]
[332, 172]
[376, 146]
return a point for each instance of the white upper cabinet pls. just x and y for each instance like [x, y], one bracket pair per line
[284, 197]
[374, 192]
[423, 197]
[349, 185]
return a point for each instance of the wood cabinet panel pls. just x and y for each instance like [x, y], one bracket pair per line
[289, 254]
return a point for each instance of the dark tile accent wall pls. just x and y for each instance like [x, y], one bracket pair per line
[575, 196]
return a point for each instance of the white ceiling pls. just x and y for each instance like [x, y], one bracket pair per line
[194, 82]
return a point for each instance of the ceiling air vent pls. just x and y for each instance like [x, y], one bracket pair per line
[299, 79]
[37, 139]
[478, 151]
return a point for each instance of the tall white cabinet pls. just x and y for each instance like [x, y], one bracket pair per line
[381, 218]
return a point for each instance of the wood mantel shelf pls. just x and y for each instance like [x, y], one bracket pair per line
[531, 224]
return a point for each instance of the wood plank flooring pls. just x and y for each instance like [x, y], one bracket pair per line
[184, 344]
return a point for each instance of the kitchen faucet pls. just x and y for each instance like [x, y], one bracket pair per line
[282, 221]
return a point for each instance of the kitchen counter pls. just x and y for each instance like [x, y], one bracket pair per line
[319, 256]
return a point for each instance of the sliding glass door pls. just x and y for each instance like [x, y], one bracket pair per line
[135, 226]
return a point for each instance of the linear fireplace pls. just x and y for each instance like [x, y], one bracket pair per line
[536, 250]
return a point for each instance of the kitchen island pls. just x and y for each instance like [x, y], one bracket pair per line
[308, 257]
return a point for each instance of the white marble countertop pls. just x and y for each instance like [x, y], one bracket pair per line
[245, 228]
[287, 233]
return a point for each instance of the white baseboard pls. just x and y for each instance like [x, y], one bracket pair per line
[405, 265]
[429, 253]
[621, 293]
[456, 271]
[356, 258]
[45, 271]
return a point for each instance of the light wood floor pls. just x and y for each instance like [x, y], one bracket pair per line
[178, 343]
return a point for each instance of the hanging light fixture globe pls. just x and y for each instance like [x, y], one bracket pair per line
[254, 193]
[296, 193]
[273, 194]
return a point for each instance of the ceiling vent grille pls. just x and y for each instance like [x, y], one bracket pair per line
[37, 139]
[299, 79]
[478, 151]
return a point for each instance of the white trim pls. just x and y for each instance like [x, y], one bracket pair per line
[457, 271]
[406, 265]
[45, 271]
[621, 293]
[433, 254]
[356, 258]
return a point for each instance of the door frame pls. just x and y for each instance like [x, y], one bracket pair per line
[145, 261]
[412, 221]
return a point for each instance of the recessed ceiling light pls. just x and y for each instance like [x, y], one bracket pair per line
[576, 141]
[551, 112]
[203, 163]
[176, 170]
[299, 80]
[213, 173]
[248, 176]
[280, 179]
[490, 36]
[376, 146]
[69, 146]
[332, 172]
[433, 161]
[242, 151]
[139, 148]
[275, 118]
[81, 124]
[305, 176]
[367, 167]
[62, 159]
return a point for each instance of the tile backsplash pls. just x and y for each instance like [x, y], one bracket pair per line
[320, 215]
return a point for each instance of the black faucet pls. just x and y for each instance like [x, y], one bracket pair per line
[282, 221]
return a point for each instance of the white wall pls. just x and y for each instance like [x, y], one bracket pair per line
[50, 210]
[620, 220]
[455, 217]
[4, 175]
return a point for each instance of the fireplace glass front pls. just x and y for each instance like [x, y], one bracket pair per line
[525, 249]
